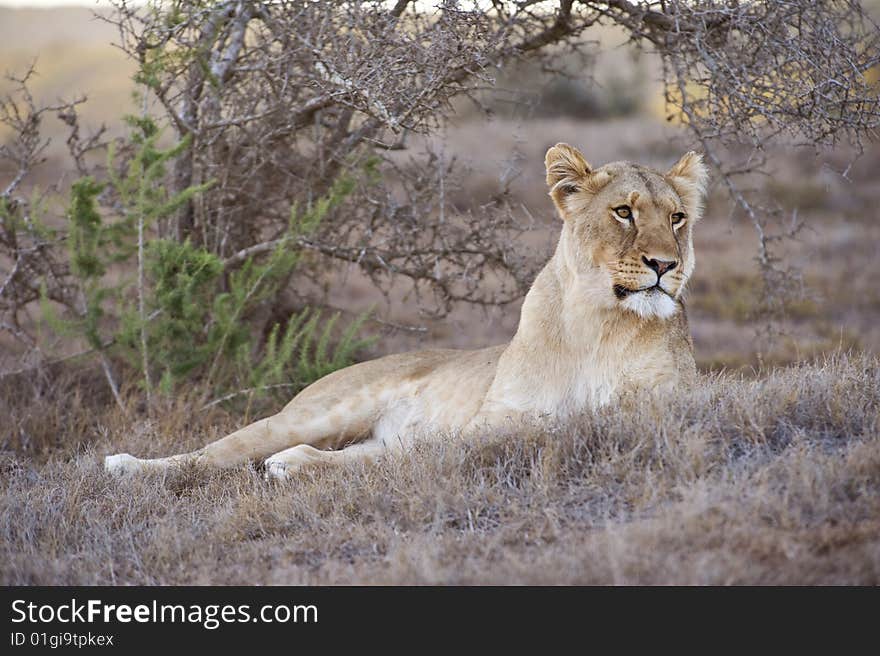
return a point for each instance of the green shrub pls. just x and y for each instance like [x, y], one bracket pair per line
[186, 318]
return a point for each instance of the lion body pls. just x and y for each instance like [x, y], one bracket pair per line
[603, 316]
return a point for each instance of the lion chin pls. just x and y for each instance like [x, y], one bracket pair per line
[650, 303]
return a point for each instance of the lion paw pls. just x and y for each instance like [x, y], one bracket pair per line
[122, 464]
[277, 470]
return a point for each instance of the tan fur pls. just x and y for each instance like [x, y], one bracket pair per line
[586, 333]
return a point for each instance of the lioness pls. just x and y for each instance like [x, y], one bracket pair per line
[603, 315]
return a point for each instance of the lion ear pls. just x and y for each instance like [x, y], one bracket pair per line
[565, 164]
[569, 172]
[689, 176]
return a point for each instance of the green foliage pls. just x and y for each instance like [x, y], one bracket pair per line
[94, 244]
[89, 244]
[302, 353]
[183, 282]
[316, 360]
[189, 318]
[201, 332]
[141, 188]
[86, 234]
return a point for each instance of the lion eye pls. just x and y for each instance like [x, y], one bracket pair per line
[678, 217]
[624, 212]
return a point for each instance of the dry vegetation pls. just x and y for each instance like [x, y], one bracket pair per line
[773, 480]
[760, 475]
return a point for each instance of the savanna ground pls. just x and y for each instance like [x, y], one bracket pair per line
[768, 472]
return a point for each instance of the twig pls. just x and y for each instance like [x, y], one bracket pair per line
[249, 390]
[108, 373]
[142, 313]
[399, 326]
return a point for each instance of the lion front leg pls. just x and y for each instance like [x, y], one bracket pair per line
[253, 442]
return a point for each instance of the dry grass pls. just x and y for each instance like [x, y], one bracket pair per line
[770, 480]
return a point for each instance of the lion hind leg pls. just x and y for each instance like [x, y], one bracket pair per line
[282, 465]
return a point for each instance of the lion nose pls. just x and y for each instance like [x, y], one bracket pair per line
[660, 266]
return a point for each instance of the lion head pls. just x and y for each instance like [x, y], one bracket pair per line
[628, 229]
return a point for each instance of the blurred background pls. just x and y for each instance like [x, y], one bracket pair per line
[614, 112]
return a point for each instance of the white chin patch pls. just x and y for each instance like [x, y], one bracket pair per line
[650, 304]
